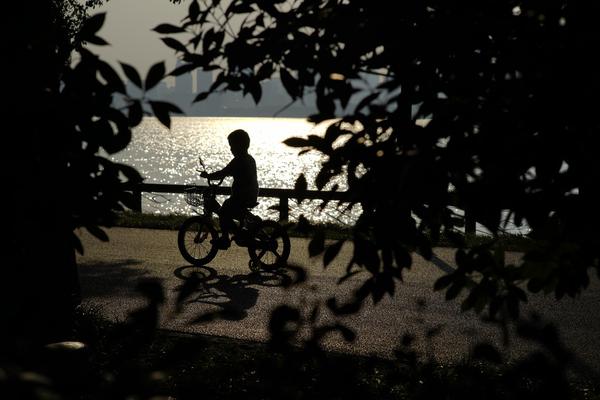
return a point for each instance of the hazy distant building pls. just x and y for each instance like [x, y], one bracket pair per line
[204, 80]
[274, 100]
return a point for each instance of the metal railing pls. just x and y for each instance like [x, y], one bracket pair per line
[284, 195]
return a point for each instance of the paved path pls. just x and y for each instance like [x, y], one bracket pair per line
[110, 272]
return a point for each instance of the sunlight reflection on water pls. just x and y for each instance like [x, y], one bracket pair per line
[164, 156]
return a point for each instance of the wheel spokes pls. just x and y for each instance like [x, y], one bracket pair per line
[269, 244]
[195, 241]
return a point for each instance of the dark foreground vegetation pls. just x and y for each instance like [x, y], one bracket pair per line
[509, 87]
[129, 360]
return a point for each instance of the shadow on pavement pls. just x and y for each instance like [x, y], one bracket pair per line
[233, 295]
[101, 279]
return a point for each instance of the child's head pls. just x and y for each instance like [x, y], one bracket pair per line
[239, 141]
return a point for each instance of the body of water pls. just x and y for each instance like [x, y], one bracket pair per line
[171, 156]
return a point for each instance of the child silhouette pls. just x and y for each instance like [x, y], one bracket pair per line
[244, 190]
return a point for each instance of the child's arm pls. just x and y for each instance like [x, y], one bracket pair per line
[227, 171]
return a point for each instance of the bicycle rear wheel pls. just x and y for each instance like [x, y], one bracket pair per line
[269, 245]
[194, 240]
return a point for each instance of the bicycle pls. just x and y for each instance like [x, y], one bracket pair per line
[267, 241]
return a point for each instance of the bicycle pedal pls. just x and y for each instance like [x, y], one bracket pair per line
[221, 244]
[240, 241]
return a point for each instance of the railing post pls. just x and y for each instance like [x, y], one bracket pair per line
[469, 224]
[283, 209]
[284, 195]
[137, 197]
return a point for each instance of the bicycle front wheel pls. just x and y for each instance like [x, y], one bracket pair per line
[269, 245]
[194, 240]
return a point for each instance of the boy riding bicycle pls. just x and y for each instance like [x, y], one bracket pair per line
[244, 190]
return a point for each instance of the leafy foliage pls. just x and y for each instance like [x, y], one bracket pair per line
[60, 125]
[135, 358]
[506, 89]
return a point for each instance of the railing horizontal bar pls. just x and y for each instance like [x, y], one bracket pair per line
[282, 194]
[263, 192]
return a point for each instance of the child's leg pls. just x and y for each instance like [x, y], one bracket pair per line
[226, 218]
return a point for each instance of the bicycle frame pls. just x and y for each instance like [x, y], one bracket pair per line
[212, 206]
[267, 241]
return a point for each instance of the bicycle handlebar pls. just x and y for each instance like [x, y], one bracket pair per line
[210, 182]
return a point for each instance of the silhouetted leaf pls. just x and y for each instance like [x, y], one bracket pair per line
[346, 309]
[348, 334]
[403, 258]
[299, 275]
[454, 290]
[135, 113]
[218, 39]
[283, 325]
[132, 174]
[323, 177]
[174, 44]
[348, 276]
[97, 232]
[201, 96]
[300, 188]
[377, 291]
[265, 71]
[113, 80]
[168, 29]
[155, 74]
[368, 99]
[162, 110]
[252, 86]
[92, 25]
[97, 40]
[425, 249]
[303, 226]
[296, 142]
[289, 83]
[239, 8]
[326, 106]
[194, 10]
[132, 74]
[365, 254]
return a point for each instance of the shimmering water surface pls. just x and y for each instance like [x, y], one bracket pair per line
[171, 156]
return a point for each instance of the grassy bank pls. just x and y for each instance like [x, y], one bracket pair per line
[331, 231]
[174, 221]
